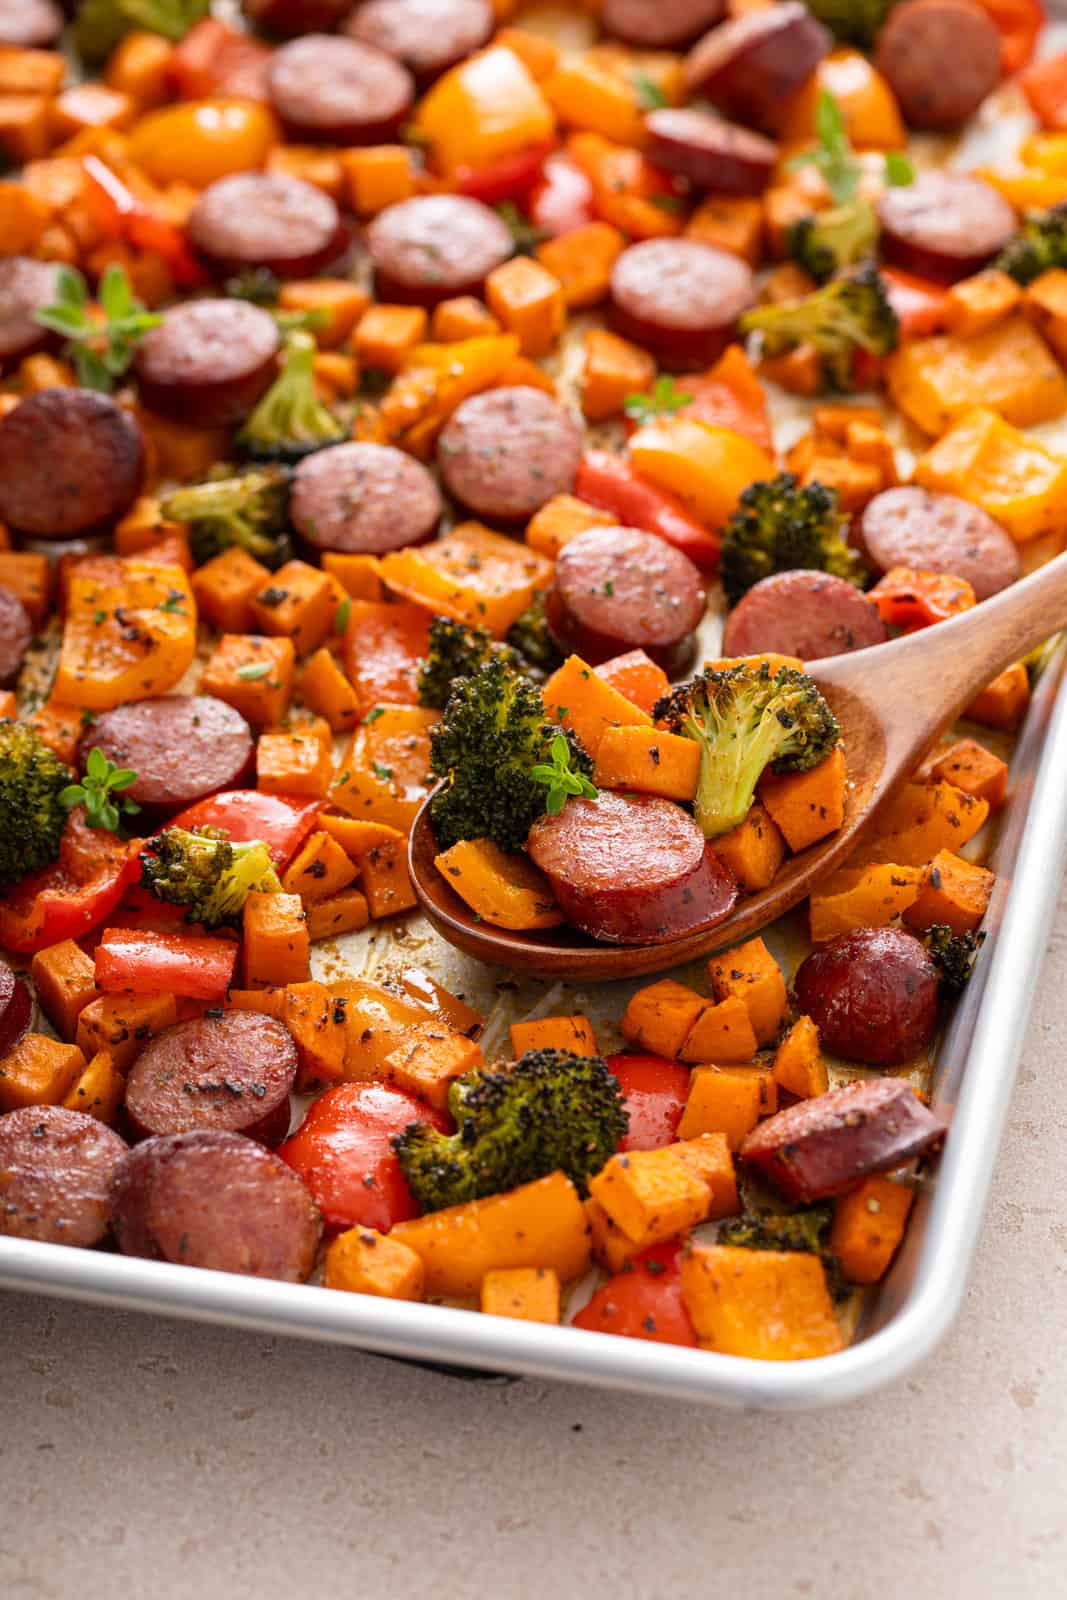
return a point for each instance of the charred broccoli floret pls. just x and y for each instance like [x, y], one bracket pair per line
[953, 954]
[529, 634]
[551, 1112]
[780, 525]
[849, 314]
[201, 870]
[1040, 244]
[100, 24]
[852, 21]
[746, 719]
[249, 510]
[32, 815]
[487, 745]
[806, 1230]
[291, 421]
[828, 241]
[456, 651]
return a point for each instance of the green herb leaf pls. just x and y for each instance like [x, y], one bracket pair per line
[559, 777]
[252, 671]
[342, 614]
[373, 714]
[899, 171]
[833, 156]
[100, 783]
[101, 349]
[665, 399]
[650, 97]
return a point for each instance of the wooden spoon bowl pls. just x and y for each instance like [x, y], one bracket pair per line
[892, 701]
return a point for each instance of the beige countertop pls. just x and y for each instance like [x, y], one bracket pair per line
[140, 1457]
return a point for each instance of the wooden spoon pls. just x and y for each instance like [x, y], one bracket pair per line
[892, 702]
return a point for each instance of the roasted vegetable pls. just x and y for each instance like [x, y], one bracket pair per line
[846, 316]
[291, 421]
[203, 871]
[779, 525]
[456, 651]
[553, 1111]
[248, 510]
[953, 954]
[32, 813]
[1040, 245]
[852, 21]
[100, 24]
[529, 634]
[808, 1229]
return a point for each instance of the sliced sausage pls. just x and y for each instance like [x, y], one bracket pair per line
[26, 287]
[266, 219]
[434, 247]
[619, 589]
[507, 451]
[288, 17]
[944, 225]
[182, 747]
[16, 1008]
[427, 36]
[802, 613]
[680, 299]
[338, 91]
[910, 527]
[228, 1069]
[203, 1199]
[365, 498]
[872, 994]
[71, 461]
[711, 153]
[208, 361]
[941, 58]
[30, 24]
[56, 1168]
[749, 65]
[16, 631]
[631, 869]
[660, 24]
[825, 1146]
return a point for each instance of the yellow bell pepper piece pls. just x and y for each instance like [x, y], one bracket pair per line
[436, 378]
[126, 639]
[591, 94]
[864, 98]
[1009, 365]
[706, 467]
[1047, 152]
[984, 459]
[1027, 189]
[486, 108]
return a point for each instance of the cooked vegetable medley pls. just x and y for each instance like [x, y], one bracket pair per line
[394, 398]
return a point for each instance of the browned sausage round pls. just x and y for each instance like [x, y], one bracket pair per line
[296, 16]
[872, 994]
[208, 361]
[825, 1146]
[33, 24]
[941, 58]
[181, 746]
[749, 65]
[428, 36]
[228, 1069]
[711, 153]
[505, 452]
[26, 286]
[660, 24]
[680, 299]
[620, 589]
[435, 247]
[16, 631]
[16, 1008]
[631, 869]
[362, 497]
[204, 1199]
[56, 1168]
[264, 219]
[910, 527]
[338, 91]
[71, 461]
[805, 614]
[944, 225]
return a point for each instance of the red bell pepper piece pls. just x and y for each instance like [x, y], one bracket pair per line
[921, 307]
[563, 196]
[644, 1301]
[610, 483]
[246, 814]
[214, 59]
[1019, 22]
[124, 215]
[655, 1092]
[911, 600]
[83, 886]
[343, 1151]
[509, 178]
[1045, 87]
[138, 961]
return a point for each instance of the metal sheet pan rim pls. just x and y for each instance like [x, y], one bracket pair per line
[928, 1304]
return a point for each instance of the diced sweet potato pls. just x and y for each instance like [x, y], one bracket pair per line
[722, 1033]
[529, 1293]
[346, 912]
[579, 698]
[969, 766]
[868, 1226]
[276, 942]
[365, 1262]
[660, 1017]
[649, 761]
[428, 1059]
[319, 869]
[807, 806]
[122, 1025]
[65, 980]
[729, 1101]
[504, 890]
[954, 892]
[769, 1304]
[316, 1019]
[554, 1033]
[708, 1156]
[798, 1062]
[754, 850]
[98, 1091]
[384, 771]
[651, 1195]
[750, 973]
[863, 897]
[38, 1071]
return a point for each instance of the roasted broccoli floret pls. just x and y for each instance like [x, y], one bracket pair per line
[828, 241]
[953, 954]
[456, 651]
[807, 1230]
[249, 510]
[32, 816]
[852, 21]
[201, 870]
[491, 737]
[551, 1112]
[746, 719]
[529, 634]
[1040, 244]
[849, 314]
[100, 24]
[780, 525]
[258, 285]
[291, 421]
